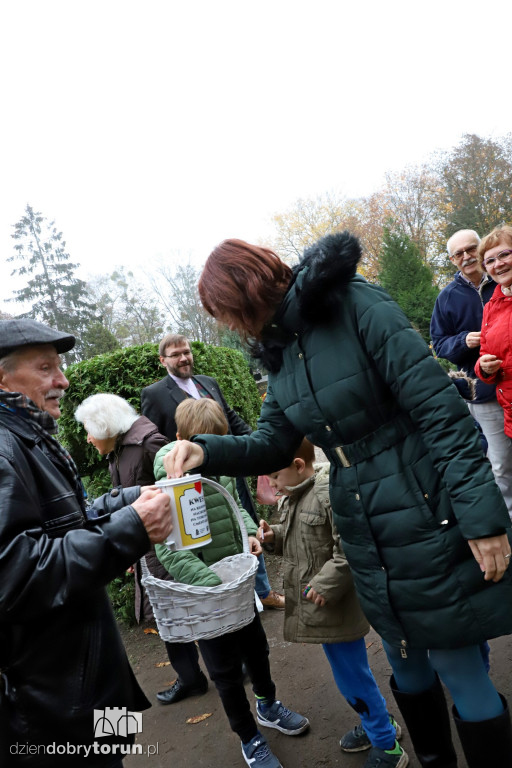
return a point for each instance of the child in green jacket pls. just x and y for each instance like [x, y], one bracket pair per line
[225, 655]
[321, 604]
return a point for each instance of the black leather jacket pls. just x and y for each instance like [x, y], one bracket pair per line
[61, 655]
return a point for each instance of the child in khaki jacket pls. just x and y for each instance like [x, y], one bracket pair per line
[321, 602]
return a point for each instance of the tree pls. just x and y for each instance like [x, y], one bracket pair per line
[57, 297]
[177, 291]
[98, 340]
[305, 222]
[127, 308]
[476, 176]
[309, 219]
[415, 201]
[407, 279]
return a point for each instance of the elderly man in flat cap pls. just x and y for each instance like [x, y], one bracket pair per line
[67, 691]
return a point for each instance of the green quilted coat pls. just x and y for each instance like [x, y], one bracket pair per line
[191, 566]
[408, 482]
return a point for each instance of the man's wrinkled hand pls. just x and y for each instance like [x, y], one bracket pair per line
[154, 509]
[473, 339]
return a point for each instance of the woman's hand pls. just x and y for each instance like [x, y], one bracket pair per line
[491, 555]
[489, 364]
[265, 533]
[254, 546]
[184, 456]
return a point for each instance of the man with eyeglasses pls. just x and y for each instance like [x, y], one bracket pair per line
[455, 332]
[159, 401]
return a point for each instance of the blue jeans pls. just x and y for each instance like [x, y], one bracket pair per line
[354, 678]
[462, 670]
[262, 584]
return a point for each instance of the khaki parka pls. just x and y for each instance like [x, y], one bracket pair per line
[312, 554]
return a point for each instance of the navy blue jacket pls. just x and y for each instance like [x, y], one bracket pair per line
[458, 311]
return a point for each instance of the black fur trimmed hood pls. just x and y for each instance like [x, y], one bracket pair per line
[331, 262]
[319, 279]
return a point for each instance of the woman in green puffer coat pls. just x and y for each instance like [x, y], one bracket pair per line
[422, 522]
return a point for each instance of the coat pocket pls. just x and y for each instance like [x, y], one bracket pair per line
[316, 535]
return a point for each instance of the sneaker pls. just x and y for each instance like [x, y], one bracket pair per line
[357, 739]
[258, 753]
[278, 716]
[392, 758]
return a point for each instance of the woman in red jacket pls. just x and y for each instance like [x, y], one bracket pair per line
[495, 363]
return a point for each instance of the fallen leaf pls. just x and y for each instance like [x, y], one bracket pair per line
[198, 718]
[162, 663]
[150, 631]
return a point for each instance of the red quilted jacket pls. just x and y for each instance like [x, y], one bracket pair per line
[496, 340]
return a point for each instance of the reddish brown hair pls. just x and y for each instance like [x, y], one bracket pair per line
[243, 284]
[305, 451]
[494, 238]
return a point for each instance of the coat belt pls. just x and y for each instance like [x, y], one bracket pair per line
[385, 436]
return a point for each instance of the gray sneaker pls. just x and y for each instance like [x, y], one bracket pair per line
[357, 739]
[379, 758]
[283, 719]
[258, 754]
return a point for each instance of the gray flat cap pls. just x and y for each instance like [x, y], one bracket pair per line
[20, 332]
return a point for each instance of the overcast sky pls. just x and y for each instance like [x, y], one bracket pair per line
[150, 128]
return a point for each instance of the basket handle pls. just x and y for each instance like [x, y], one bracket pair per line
[234, 507]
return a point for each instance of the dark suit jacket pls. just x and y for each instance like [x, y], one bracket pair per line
[159, 402]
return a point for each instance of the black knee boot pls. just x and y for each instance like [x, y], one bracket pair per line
[486, 743]
[426, 717]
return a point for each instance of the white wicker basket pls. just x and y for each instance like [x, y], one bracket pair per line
[184, 612]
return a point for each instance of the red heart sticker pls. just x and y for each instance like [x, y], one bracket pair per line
[198, 486]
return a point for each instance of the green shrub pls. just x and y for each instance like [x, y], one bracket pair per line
[121, 592]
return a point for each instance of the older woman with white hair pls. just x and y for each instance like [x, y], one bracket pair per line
[116, 430]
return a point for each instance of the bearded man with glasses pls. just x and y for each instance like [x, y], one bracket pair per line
[455, 330]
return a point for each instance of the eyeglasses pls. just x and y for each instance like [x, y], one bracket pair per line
[503, 256]
[177, 355]
[470, 250]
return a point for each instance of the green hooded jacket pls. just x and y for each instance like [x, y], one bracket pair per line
[191, 566]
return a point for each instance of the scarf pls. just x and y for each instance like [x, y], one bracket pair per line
[45, 426]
